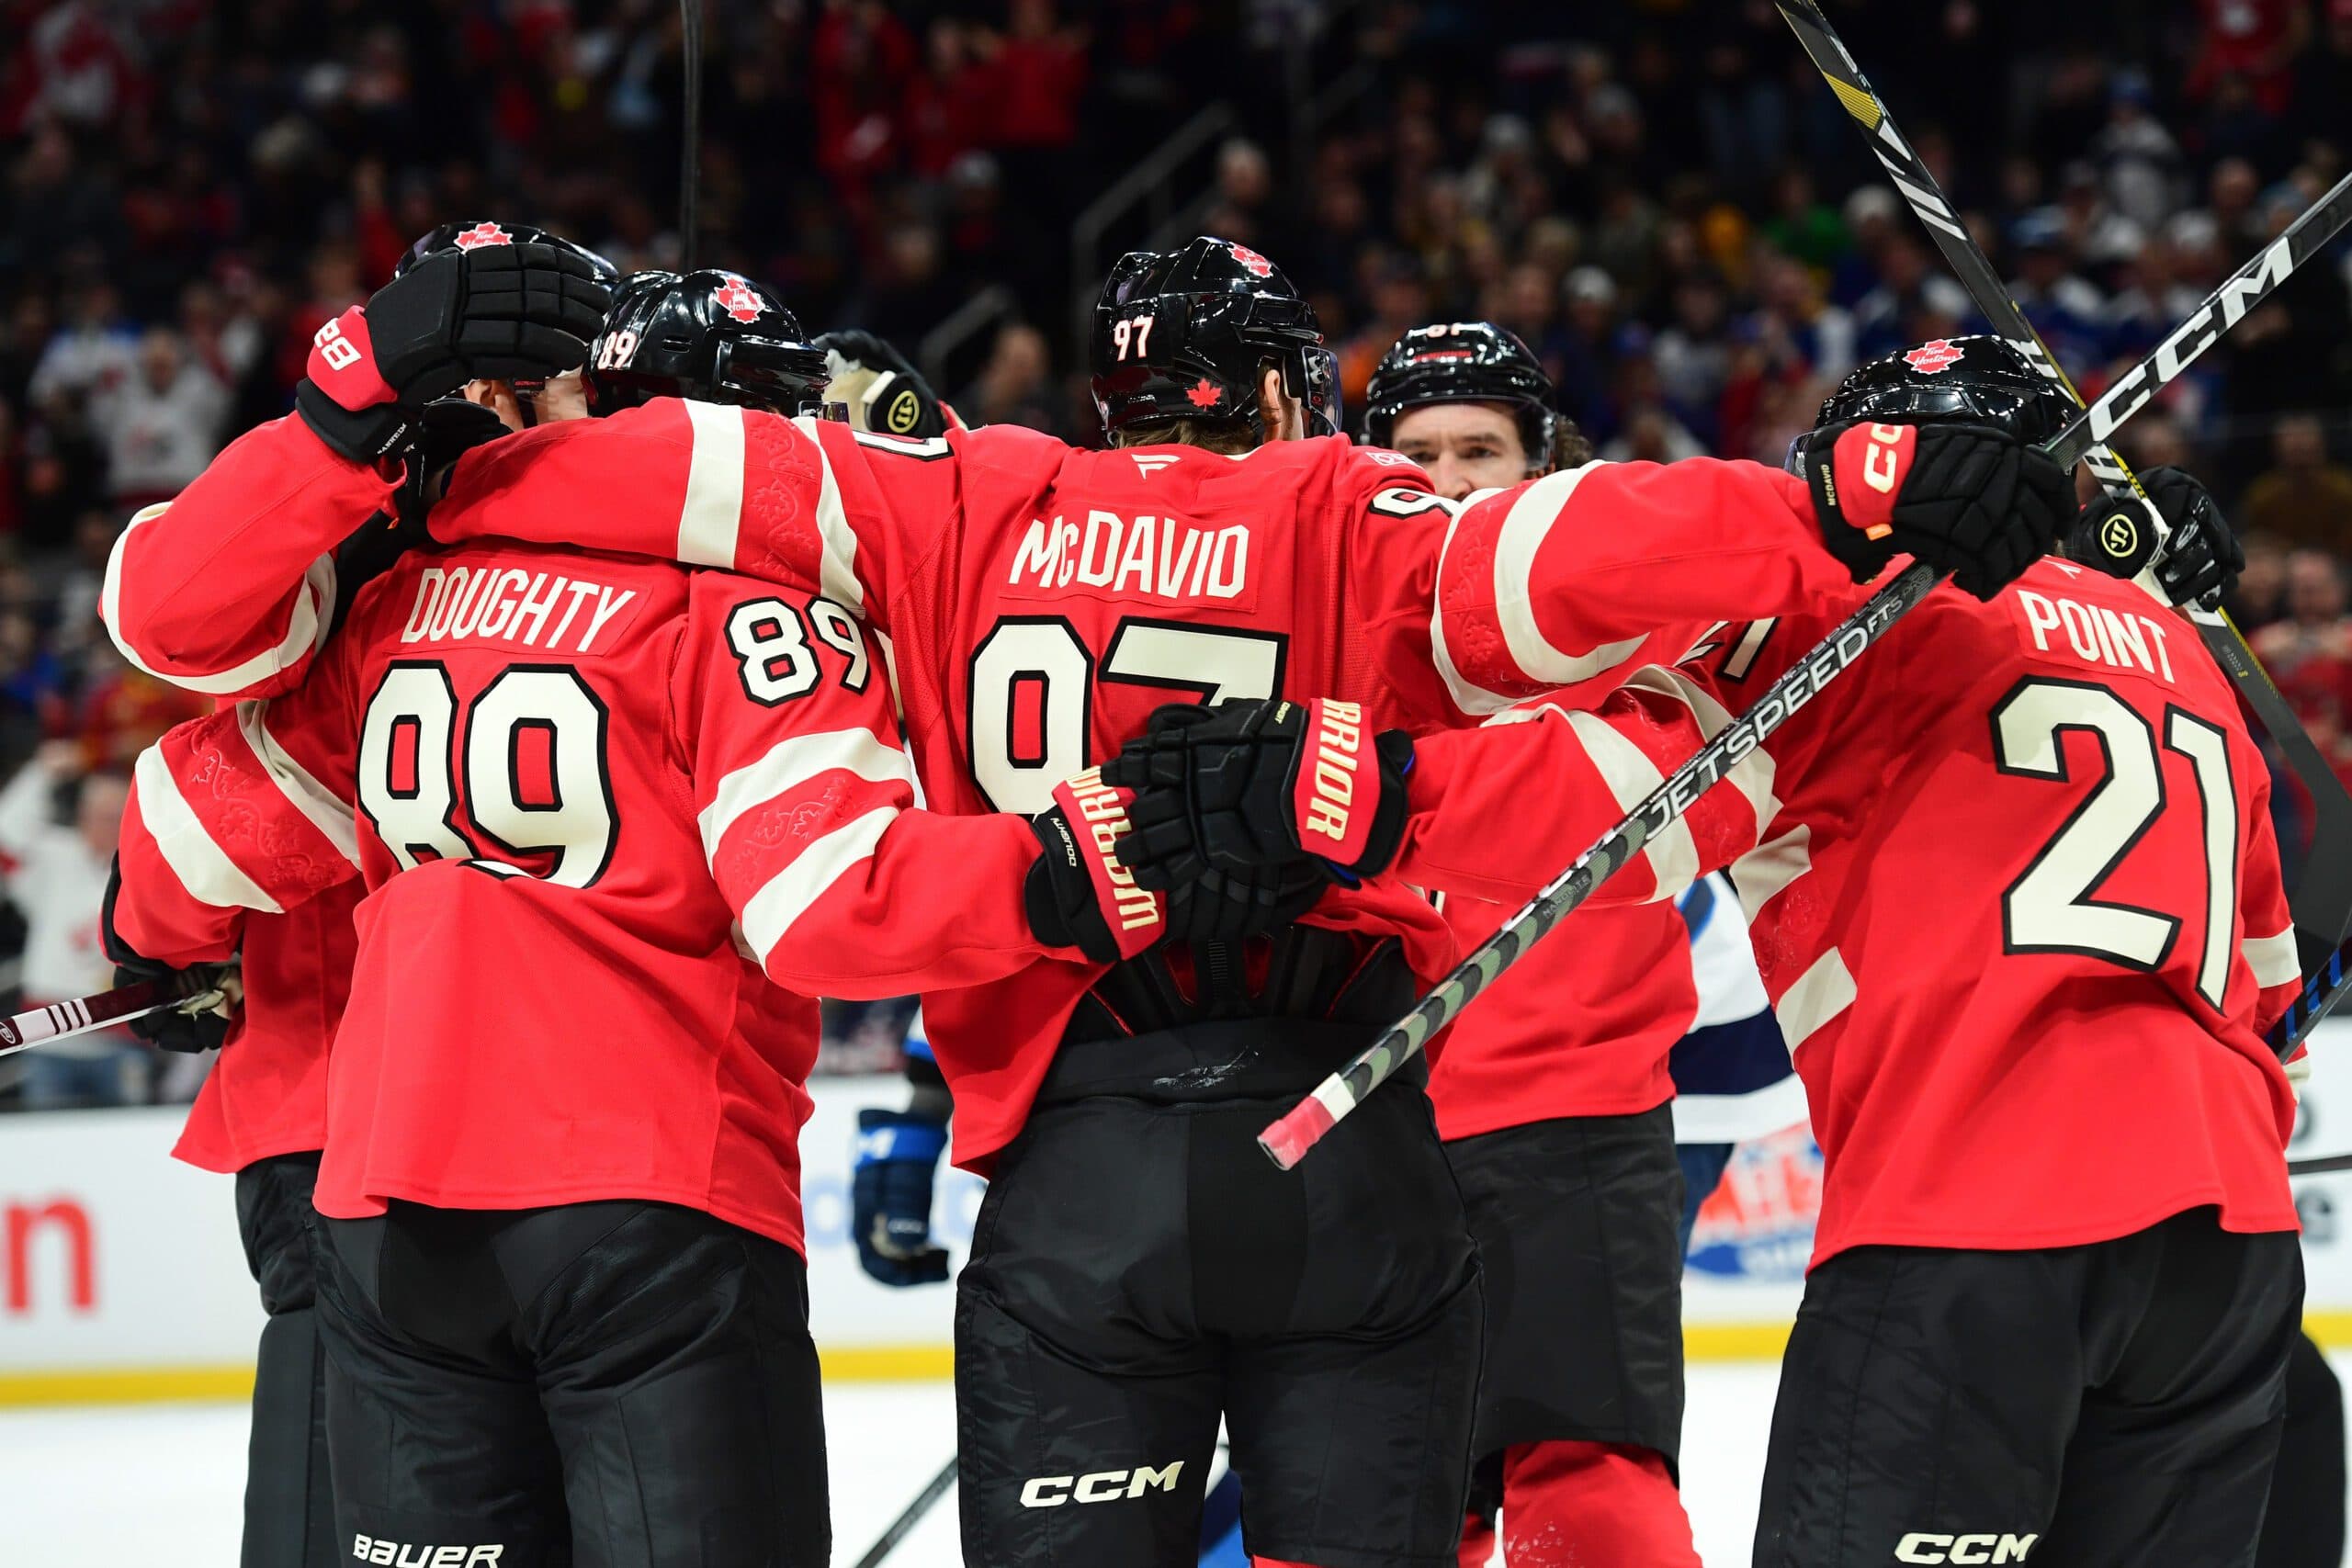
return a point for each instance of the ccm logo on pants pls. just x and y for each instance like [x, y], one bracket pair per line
[1964, 1549]
[400, 1554]
[1103, 1486]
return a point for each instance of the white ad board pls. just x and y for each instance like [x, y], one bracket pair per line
[121, 1275]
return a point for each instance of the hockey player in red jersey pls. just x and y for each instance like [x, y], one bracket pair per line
[2018, 904]
[225, 611]
[535, 741]
[1552, 1098]
[1039, 600]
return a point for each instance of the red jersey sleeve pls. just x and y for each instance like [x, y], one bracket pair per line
[1559, 581]
[246, 808]
[230, 588]
[1579, 773]
[805, 502]
[806, 803]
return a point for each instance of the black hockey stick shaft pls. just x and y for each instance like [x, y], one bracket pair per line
[1287, 1139]
[690, 135]
[2323, 902]
[81, 1015]
[903, 1525]
[2318, 1167]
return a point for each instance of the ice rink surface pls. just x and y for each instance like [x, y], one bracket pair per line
[132, 1487]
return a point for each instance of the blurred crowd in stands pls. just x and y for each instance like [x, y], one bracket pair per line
[1660, 196]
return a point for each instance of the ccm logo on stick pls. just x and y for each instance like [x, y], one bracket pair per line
[1103, 1486]
[1964, 1549]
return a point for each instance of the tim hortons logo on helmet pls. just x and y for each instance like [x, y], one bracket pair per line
[1102, 1486]
[400, 1554]
[482, 234]
[1258, 265]
[1929, 358]
[1918, 1547]
[735, 298]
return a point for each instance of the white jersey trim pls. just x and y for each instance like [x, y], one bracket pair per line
[787, 765]
[769, 914]
[1517, 544]
[306, 626]
[1818, 995]
[2273, 958]
[203, 868]
[837, 565]
[713, 510]
[325, 811]
[1754, 774]
[1759, 874]
[1631, 776]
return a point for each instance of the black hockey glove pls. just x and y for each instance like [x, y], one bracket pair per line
[213, 991]
[1236, 786]
[1968, 499]
[444, 430]
[1078, 894]
[2193, 553]
[499, 313]
[880, 387]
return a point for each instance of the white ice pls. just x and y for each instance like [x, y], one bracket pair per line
[132, 1487]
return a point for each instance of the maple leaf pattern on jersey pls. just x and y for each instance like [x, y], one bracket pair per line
[776, 521]
[262, 832]
[1205, 394]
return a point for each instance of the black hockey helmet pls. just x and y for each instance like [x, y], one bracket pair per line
[1981, 380]
[714, 336]
[1184, 334]
[489, 231]
[1463, 362]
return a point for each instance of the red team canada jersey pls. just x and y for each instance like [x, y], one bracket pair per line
[587, 787]
[2013, 892]
[1039, 600]
[228, 590]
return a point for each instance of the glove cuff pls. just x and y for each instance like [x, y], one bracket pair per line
[342, 363]
[1855, 477]
[1078, 892]
[1346, 788]
[359, 436]
[2117, 536]
[894, 1135]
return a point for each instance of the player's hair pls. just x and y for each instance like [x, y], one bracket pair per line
[1570, 449]
[1230, 436]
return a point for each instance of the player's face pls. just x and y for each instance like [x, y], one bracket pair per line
[1463, 447]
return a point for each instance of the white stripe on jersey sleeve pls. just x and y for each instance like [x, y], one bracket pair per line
[1631, 776]
[1820, 994]
[2273, 958]
[769, 914]
[1752, 774]
[203, 868]
[714, 506]
[1517, 544]
[306, 627]
[790, 763]
[837, 571]
[1760, 874]
[1471, 699]
[327, 812]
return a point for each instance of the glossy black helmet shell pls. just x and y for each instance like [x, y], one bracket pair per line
[711, 335]
[1463, 362]
[489, 231]
[1980, 380]
[1184, 335]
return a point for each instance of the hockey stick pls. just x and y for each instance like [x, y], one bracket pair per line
[690, 133]
[83, 1014]
[1287, 1139]
[903, 1525]
[2323, 902]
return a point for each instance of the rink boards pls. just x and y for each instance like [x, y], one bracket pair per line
[121, 1277]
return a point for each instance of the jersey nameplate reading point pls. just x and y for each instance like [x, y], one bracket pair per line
[2112, 639]
[1140, 558]
[527, 609]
